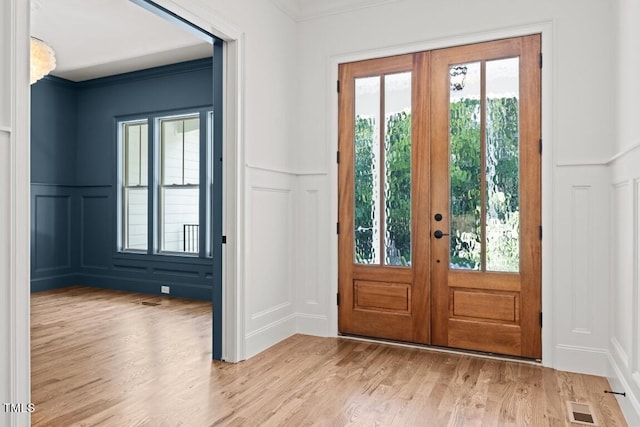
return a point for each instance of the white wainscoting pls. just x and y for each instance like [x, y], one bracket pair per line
[580, 268]
[269, 315]
[624, 345]
[286, 249]
[312, 278]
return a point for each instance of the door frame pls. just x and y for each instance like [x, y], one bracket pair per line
[545, 29]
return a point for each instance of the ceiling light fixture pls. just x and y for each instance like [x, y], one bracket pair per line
[43, 59]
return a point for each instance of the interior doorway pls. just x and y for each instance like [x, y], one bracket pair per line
[84, 254]
[440, 197]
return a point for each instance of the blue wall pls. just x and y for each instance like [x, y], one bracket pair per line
[73, 191]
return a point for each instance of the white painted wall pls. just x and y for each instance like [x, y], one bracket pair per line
[624, 208]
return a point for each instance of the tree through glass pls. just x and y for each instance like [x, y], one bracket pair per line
[382, 170]
[484, 165]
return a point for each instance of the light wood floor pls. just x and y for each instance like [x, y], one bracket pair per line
[105, 358]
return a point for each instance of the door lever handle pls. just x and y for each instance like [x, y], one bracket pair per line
[438, 234]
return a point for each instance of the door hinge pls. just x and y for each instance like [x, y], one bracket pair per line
[224, 240]
[337, 157]
[540, 145]
[338, 86]
[540, 231]
[540, 59]
[338, 298]
[337, 228]
[541, 319]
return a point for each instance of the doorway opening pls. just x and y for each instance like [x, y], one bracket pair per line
[76, 220]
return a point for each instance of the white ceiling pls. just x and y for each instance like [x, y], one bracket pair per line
[97, 38]
[304, 10]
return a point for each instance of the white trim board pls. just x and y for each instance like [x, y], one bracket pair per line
[19, 213]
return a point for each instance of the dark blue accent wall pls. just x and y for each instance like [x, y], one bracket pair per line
[53, 131]
[74, 182]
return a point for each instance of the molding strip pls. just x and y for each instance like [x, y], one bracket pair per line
[632, 147]
[286, 172]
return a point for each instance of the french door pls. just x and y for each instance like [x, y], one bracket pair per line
[439, 197]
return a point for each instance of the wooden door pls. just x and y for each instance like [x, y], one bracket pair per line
[439, 197]
[384, 199]
[485, 145]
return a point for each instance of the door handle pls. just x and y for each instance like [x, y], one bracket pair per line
[438, 234]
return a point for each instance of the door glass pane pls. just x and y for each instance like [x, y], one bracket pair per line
[397, 170]
[464, 166]
[367, 171]
[502, 166]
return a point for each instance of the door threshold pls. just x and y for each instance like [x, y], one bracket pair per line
[457, 351]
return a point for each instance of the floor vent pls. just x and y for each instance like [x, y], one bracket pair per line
[581, 413]
[149, 303]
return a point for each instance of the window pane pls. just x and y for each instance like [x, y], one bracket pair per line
[172, 144]
[132, 150]
[367, 171]
[502, 169]
[134, 180]
[180, 211]
[181, 151]
[464, 166]
[135, 152]
[144, 154]
[192, 151]
[135, 218]
[397, 162]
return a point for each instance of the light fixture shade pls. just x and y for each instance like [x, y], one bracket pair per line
[43, 59]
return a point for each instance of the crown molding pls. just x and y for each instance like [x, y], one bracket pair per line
[305, 10]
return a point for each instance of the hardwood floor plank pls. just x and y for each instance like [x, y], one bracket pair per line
[103, 358]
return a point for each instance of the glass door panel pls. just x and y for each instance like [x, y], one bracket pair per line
[397, 167]
[382, 170]
[484, 165]
[465, 146]
[367, 170]
[502, 195]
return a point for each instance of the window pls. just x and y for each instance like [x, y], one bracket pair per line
[134, 185]
[165, 151]
[179, 184]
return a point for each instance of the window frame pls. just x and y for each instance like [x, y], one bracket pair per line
[123, 187]
[154, 170]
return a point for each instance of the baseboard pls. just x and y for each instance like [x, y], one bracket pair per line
[55, 282]
[312, 324]
[152, 287]
[629, 404]
[583, 360]
[269, 335]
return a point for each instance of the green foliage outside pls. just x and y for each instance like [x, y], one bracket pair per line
[502, 204]
[364, 128]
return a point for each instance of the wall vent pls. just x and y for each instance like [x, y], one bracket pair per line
[581, 413]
